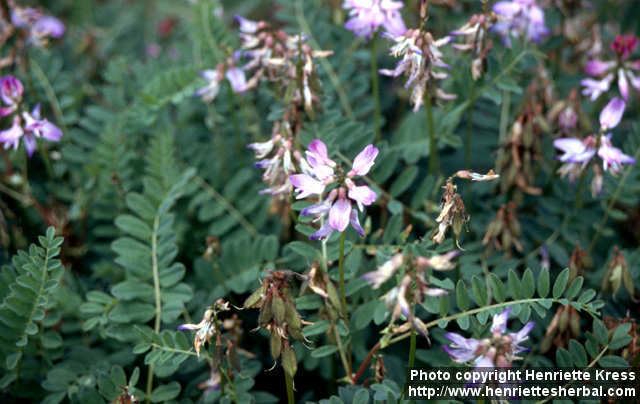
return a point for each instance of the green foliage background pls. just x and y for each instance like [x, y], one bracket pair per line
[147, 178]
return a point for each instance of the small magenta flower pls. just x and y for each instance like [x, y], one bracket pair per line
[622, 70]
[520, 18]
[366, 16]
[320, 172]
[500, 350]
[11, 91]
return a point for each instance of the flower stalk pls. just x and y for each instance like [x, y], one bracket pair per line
[434, 163]
[375, 89]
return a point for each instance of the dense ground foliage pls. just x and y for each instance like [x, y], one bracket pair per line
[260, 201]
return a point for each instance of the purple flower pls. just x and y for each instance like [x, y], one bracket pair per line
[580, 152]
[235, 76]
[612, 157]
[246, 26]
[48, 26]
[11, 137]
[594, 88]
[209, 92]
[612, 113]
[461, 349]
[11, 90]
[29, 127]
[41, 127]
[623, 70]
[366, 16]
[318, 173]
[576, 150]
[500, 349]
[40, 27]
[520, 18]
[236, 79]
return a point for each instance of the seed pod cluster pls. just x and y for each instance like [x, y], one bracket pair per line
[522, 147]
[503, 233]
[564, 326]
[278, 315]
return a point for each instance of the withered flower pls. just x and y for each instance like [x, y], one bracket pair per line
[208, 326]
[421, 62]
[413, 287]
[452, 214]
[278, 315]
[476, 41]
[320, 284]
[504, 231]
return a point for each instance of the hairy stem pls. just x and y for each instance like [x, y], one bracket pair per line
[375, 89]
[433, 144]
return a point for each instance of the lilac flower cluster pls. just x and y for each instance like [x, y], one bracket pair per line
[320, 172]
[520, 18]
[622, 70]
[577, 153]
[367, 16]
[498, 350]
[26, 126]
[39, 26]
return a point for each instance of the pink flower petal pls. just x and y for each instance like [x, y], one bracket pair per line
[364, 161]
[363, 195]
[612, 113]
[339, 214]
[305, 185]
[623, 84]
[597, 67]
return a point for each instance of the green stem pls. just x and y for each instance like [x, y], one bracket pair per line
[504, 115]
[433, 144]
[289, 382]
[468, 136]
[580, 189]
[341, 350]
[343, 295]
[156, 292]
[375, 89]
[412, 348]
